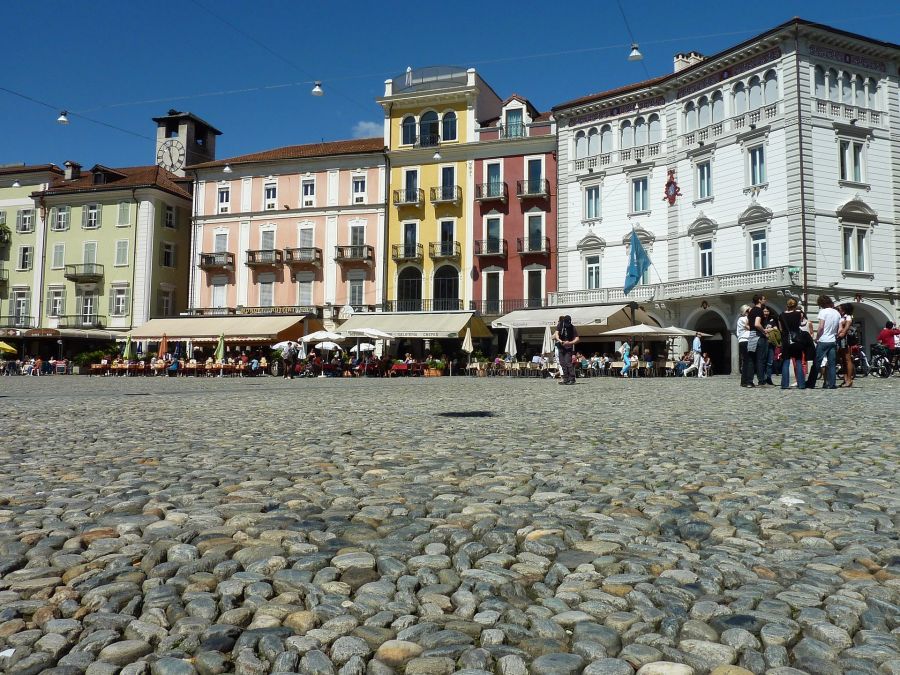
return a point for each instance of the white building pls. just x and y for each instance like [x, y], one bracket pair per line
[786, 152]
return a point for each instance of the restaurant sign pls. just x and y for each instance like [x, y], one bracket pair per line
[42, 332]
[846, 57]
[9, 332]
[725, 73]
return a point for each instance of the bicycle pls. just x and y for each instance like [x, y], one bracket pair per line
[882, 360]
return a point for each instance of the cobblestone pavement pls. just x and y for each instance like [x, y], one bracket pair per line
[335, 526]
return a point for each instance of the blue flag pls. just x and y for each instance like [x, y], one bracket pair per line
[638, 262]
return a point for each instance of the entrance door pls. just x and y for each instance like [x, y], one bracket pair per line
[495, 184]
[535, 174]
[447, 237]
[446, 289]
[535, 288]
[88, 309]
[409, 290]
[492, 293]
[409, 240]
[448, 182]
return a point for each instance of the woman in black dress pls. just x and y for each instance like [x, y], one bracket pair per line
[792, 347]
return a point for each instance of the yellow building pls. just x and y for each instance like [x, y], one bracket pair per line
[431, 115]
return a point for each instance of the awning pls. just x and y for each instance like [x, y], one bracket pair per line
[420, 324]
[78, 333]
[589, 320]
[234, 328]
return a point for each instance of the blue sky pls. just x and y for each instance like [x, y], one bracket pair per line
[106, 59]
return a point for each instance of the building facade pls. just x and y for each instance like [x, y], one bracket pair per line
[298, 229]
[772, 167]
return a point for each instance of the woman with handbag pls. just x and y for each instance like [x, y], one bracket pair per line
[792, 347]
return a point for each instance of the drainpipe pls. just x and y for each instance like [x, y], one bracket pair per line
[387, 208]
[194, 213]
[41, 286]
[133, 256]
[802, 170]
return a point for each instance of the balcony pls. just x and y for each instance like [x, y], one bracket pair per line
[488, 192]
[532, 187]
[355, 254]
[444, 250]
[303, 256]
[409, 197]
[446, 194]
[271, 257]
[490, 248]
[81, 321]
[423, 305]
[406, 252]
[428, 141]
[533, 245]
[604, 159]
[16, 321]
[702, 287]
[84, 274]
[508, 131]
[499, 307]
[847, 112]
[217, 261]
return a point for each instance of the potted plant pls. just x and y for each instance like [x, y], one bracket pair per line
[434, 367]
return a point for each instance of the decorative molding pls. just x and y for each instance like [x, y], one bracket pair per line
[702, 226]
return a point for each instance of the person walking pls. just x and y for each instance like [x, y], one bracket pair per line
[697, 354]
[289, 356]
[757, 345]
[566, 338]
[626, 358]
[845, 343]
[829, 322]
[792, 347]
[743, 334]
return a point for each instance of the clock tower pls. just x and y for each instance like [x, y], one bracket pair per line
[183, 139]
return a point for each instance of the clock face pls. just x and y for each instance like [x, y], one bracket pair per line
[170, 155]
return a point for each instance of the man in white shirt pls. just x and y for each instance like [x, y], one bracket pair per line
[697, 350]
[829, 321]
[743, 335]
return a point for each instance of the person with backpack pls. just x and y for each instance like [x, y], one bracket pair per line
[566, 338]
[289, 356]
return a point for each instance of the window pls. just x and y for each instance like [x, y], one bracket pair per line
[494, 181]
[757, 158]
[740, 99]
[219, 292]
[704, 180]
[690, 117]
[306, 237]
[592, 272]
[448, 183]
[756, 99]
[59, 256]
[581, 145]
[2, 218]
[305, 289]
[308, 192]
[846, 89]
[640, 200]
[492, 292]
[89, 252]
[56, 301]
[408, 130]
[606, 137]
[704, 114]
[270, 194]
[220, 242]
[428, 129]
[770, 92]
[21, 304]
[705, 249]
[855, 244]
[718, 108]
[819, 82]
[759, 250]
[167, 258]
[357, 235]
[119, 301]
[627, 136]
[447, 231]
[492, 235]
[267, 240]
[852, 161]
[169, 222]
[359, 189]
[592, 202]
[833, 93]
[514, 127]
[25, 221]
[266, 291]
[535, 232]
[448, 130]
[224, 199]
[872, 94]
[90, 216]
[165, 304]
[124, 214]
[355, 291]
[410, 240]
[23, 262]
[121, 252]
[61, 220]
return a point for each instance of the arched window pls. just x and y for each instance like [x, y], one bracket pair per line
[593, 142]
[740, 99]
[606, 139]
[771, 89]
[448, 131]
[718, 107]
[581, 145]
[409, 290]
[833, 93]
[640, 132]
[446, 289]
[872, 93]
[655, 129]
[846, 88]
[627, 136]
[428, 129]
[755, 93]
[860, 93]
[690, 117]
[703, 113]
[409, 130]
[821, 92]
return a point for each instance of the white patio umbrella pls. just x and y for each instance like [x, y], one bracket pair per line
[547, 344]
[280, 345]
[511, 347]
[467, 345]
[328, 346]
[321, 335]
[362, 347]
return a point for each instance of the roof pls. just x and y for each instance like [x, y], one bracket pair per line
[347, 147]
[419, 324]
[240, 329]
[589, 319]
[29, 168]
[177, 115]
[117, 179]
[796, 21]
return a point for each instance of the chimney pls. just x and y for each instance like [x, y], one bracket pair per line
[73, 170]
[682, 60]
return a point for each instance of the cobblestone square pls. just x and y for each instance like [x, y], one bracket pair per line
[169, 526]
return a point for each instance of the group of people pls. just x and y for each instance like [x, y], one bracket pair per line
[764, 338]
[32, 366]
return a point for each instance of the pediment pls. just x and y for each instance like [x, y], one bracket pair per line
[703, 225]
[755, 213]
[857, 211]
[591, 241]
[644, 236]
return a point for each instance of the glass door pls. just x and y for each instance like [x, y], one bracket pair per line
[409, 240]
[514, 126]
[535, 233]
[495, 184]
[448, 183]
[492, 292]
[535, 176]
[447, 238]
[493, 235]
[535, 288]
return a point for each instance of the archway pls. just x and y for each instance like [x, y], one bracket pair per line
[409, 290]
[718, 345]
[869, 319]
[446, 289]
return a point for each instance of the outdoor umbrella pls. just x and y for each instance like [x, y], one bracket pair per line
[163, 346]
[511, 348]
[547, 344]
[128, 351]
[684, 332]
[280, 345]
[363, 347]
[9, 349]
[320, 335]
[220, 348]
[467, 346]
[328, 346]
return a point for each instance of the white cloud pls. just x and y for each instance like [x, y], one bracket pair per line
[365, 129]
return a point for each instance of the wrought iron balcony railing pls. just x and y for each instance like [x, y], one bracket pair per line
[401, 252]
[513, 131]
[533, 187]
[485, 192]
[490, 247]
[446, 193]
[497, 307]
[536, 245]
[423, 305]
[81, 321]
[16, 321]
[444, 249]
[428, 140]
[409, 196]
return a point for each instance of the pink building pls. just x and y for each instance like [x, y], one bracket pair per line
[297, 229]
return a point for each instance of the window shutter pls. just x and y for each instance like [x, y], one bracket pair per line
[172, 261]
[19, 216]
[99, 213]
[53, 213]
[112, 301]
[127, 304]
[124, 213]
[49, 303]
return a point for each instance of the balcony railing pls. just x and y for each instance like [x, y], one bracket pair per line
[485, 192]
[401, 252]
[423, 305]
[446, 193]
[83, 273]
[217, 261]
[605, 159]
[303, 255]
[490, 247]
[532, 187]
[428, 140]
[723, 284]
[497, 307]
[534, 245]
[265, 258]
[409, 196]
[513, 131]
[81, 321]
[847, 112]
[354, 254]
[16, 321]
[444, 249]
